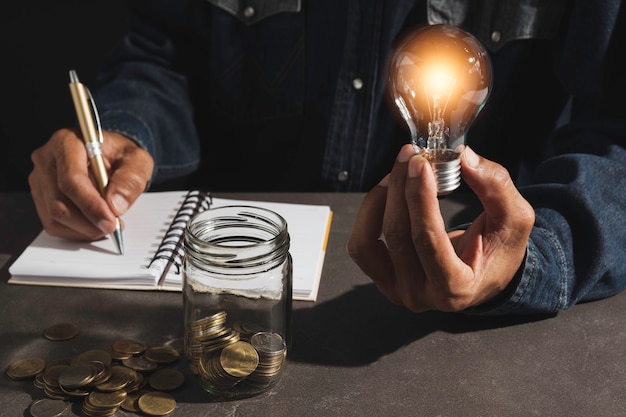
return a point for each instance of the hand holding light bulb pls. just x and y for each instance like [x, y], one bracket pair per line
[399, 238]
[439, 79]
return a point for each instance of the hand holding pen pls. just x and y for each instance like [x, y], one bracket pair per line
[62, 184]
[87, 113]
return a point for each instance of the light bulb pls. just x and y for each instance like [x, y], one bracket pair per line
[439, 79]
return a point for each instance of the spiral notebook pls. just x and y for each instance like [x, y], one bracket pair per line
[153, 247]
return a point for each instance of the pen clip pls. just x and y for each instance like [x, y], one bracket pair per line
[96, 116]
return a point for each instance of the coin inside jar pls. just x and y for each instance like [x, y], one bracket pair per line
[239, 359]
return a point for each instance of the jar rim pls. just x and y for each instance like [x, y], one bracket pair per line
[209, 232]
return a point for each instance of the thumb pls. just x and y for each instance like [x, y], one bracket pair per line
[498, 194]
[132, 168]
[119, 203]
[125, 185]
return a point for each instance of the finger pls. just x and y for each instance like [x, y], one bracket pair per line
[444, 272]
[74, 182]
[505, 208]
[397, 232]
[59, 215]
[365, 245]
[428, 228]
[396, 220]
[131, 171]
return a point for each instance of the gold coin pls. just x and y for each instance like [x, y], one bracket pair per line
[162, 354]
[39, 381]
[48, 407]
[247, 329]
[51, 375]
[156, 403]
[138, 382]
[115, 355]
[90, 409]
[61, 331]
[120, 377]
[74, 393]
[55, 362]
[76, 376]
[131, 402]
[56, 395]
[166, 379]
[93, 355]
[213, 320]
[239, 359]
[107, 399]
[140, 363]
[129, 346]
[101, 372]
[26, 368]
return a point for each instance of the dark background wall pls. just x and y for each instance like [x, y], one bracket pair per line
[40, 41]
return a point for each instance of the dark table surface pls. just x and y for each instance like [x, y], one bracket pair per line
[353, 353]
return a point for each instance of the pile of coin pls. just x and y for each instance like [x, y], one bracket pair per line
[207, 334]
[228, 366]
[272, 353]
[127, 374]
[223, 357]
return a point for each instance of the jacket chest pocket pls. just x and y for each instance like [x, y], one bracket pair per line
[257, 59]
[496, 23]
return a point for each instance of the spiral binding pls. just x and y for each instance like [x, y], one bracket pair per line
[171, 249]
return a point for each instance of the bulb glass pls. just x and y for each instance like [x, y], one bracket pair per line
[439, 80]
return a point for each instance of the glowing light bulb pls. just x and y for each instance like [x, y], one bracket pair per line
[439, 79]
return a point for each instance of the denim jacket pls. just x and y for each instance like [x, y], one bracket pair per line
[290, 95]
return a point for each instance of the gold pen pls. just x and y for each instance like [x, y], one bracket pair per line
[92, 136]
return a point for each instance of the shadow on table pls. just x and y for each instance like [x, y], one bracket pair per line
[361, 326]
[353, 329]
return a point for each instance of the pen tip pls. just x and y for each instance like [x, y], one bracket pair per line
[117, 238]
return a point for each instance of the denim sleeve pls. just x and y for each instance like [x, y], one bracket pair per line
[143, 95]
[577, 248]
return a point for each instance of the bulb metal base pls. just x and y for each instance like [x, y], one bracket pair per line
[447, 172]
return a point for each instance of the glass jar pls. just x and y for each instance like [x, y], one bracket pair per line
[237, 297]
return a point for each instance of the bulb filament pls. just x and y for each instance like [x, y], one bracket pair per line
[438, 132]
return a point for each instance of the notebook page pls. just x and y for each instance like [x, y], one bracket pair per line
[308, 226]
[50, 259]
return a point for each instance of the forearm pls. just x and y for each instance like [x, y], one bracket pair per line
[577, 246]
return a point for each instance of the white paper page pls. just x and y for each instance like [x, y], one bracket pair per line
[308, 228]
[145, 223]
